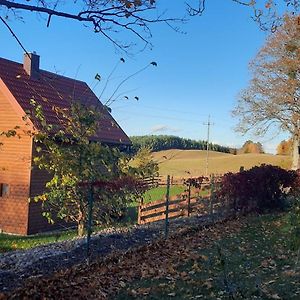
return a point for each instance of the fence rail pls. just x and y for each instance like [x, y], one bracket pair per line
[178, 206]
[181, 180]
[188, 203]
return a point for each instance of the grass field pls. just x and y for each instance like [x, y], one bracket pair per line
[185, 163]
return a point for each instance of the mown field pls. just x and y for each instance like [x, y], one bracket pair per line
[185, 163]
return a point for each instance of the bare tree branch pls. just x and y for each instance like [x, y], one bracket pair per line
[106, 17]
[14, 35]
[41, 9]
[111, 17]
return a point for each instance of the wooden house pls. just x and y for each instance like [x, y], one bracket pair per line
[19, 179]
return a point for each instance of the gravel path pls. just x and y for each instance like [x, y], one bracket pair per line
[17, 266]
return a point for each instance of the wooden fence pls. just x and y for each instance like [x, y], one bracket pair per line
[186, 204]
[151, 182]
[161, 180]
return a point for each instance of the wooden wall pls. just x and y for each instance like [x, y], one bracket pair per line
[15, 168]
[36, 221]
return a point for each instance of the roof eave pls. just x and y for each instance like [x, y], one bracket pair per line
[15, 104]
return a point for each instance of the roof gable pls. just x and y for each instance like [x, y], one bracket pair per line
[52, 90]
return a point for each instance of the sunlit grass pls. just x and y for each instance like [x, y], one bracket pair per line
[14, 242]
[159, 193]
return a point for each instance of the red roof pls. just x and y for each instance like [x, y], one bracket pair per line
[52, 90]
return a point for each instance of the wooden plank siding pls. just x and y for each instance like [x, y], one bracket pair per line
[36, 221]
[15, 167]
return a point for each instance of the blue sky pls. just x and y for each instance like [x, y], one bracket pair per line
[200, 72]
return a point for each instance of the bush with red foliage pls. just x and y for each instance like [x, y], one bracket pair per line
[259, 189]
[194, 182]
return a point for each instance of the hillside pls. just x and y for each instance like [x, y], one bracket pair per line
[178, 162]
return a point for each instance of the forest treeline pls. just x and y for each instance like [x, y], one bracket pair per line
[165, 142]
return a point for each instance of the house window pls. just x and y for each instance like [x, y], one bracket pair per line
[4, 189]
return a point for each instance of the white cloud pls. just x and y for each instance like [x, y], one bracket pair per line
[163, 128]
[159, 128]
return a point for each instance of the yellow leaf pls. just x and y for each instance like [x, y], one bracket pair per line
[204, 257]
[195, 266]
[275, 296]
[271, 281]
[172, 294]
[122, 284]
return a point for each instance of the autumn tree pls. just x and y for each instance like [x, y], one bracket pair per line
[272, 99]
[285, 147]
[251, 147]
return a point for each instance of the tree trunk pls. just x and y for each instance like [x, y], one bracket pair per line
[80, 227]
[80, 220]
[295, 154]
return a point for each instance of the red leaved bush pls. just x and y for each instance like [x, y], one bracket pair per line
[258, 189]
[127, 182]
[195, 182]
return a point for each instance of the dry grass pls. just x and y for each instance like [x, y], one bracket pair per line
[179, 162]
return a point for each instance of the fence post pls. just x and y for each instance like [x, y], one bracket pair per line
[212, 190]
[141, 202]
[90, 219]
[167, 207]
[189, 201]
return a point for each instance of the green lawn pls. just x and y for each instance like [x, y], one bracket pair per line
[160, 192]
[255, 263]
[13, 242]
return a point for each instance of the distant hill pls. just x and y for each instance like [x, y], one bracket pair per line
[166, 142]
[186, 163]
